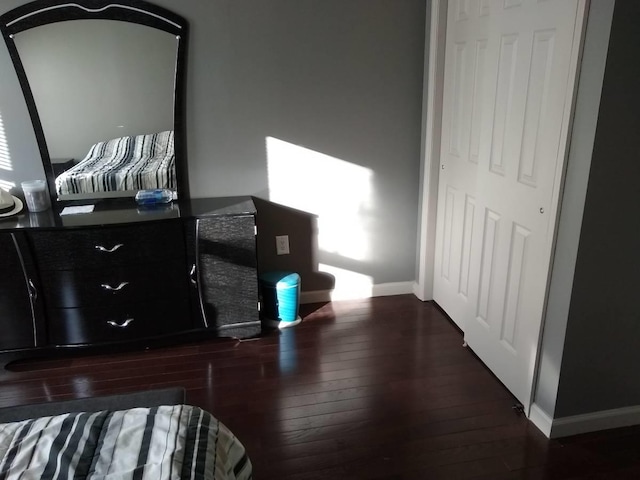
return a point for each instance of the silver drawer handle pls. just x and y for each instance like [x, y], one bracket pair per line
[114, 289]
[192, 275]
[109, 250]
[124, 324]
[33, 292]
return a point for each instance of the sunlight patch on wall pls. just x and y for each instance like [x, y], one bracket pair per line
[5, 158]
[5, 185]
[337, 191]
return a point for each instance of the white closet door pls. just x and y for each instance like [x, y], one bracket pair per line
[509, 70]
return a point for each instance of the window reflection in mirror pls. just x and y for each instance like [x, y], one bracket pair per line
[98, 80]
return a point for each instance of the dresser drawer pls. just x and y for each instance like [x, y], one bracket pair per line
[104, 247]
[115, 286]
[75, 326]
[17, 317]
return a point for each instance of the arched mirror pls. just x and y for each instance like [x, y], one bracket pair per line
[104, 84]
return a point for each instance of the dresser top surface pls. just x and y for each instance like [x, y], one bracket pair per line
[124, 211]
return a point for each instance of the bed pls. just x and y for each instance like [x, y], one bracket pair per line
[159, 442]
[130, 163]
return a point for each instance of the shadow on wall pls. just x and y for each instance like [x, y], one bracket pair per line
[302, 228]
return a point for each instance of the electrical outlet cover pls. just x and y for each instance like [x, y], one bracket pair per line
[282, 245]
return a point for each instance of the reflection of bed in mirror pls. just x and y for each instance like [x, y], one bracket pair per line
[130, 163]
[96, 75]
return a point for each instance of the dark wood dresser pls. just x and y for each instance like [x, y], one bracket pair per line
[126, 274]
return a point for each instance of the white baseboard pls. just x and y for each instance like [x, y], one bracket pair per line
[379, 290]
[396, 288]
[418, 291]
[541, 420]
[591, 422]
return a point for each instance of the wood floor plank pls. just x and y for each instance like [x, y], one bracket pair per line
[378, 388]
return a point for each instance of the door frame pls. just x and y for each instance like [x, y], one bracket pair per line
[570, 200]
[433, 88]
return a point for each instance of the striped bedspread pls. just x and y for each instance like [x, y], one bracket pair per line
[127, 163]
[168, 442]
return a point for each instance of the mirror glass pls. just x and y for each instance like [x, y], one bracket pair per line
[104, 92]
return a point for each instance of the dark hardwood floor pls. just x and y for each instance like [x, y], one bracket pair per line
[369, 389]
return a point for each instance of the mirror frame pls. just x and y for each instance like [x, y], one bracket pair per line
[44, 12]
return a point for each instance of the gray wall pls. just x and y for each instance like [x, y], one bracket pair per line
[574, 193]
[339, 81]
[601, 353]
